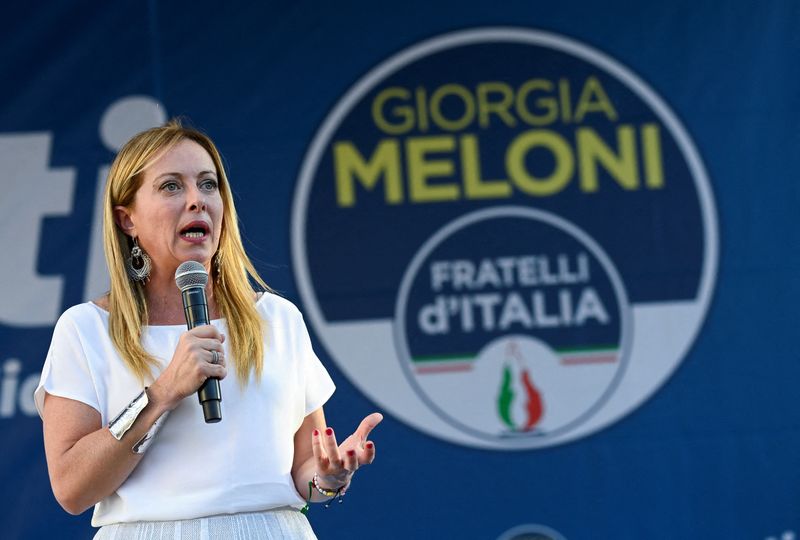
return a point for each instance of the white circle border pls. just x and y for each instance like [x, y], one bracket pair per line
[561, 224]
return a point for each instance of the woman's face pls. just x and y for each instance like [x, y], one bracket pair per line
[177, 211]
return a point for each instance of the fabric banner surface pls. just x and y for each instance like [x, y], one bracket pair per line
[554, 245]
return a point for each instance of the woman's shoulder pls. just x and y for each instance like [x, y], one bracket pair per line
[274, 306]
[78, 324]
[82, 315]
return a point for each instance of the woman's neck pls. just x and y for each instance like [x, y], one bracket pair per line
[165, 304]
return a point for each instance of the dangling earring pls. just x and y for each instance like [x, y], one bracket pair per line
[218, 266]
[138, 265]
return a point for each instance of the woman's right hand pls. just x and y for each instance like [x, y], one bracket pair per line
[191, 364]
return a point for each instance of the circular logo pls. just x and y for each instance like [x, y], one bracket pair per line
[504, 238]
[538, 311]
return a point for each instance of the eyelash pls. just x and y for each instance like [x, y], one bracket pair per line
[209, 183]
[165, 186]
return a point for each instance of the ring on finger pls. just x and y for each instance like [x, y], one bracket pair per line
[214, 357]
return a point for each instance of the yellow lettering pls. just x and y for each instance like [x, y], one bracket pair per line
[565, 95]
[421, 169]
[436, 107]
[518, 172]
[594, 99]
[422, 109]
[349, 164]
[548, 104]
[621, 166]
[500, 108]
[404, 113]
[474, 186]
[653, 164]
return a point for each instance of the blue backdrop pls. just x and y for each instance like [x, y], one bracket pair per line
[694, 425]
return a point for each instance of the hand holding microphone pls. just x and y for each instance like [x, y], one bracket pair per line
[191, 278]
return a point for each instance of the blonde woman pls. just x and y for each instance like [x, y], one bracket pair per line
[122, 429]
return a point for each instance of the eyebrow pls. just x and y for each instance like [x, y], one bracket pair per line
[180, 175]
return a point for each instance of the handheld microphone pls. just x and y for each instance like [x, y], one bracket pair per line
[191, 278]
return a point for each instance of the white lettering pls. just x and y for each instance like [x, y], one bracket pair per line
[11, 369]
[547, 308]
[514, 311]
[463, 275]
[433, 318]
[590, 307]
[13, 394]
[440, 274]
[29, 298]
[509, 272]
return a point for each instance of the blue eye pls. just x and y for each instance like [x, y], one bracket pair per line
[209, 184]
[170, 186]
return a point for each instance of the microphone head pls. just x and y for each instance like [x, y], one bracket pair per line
[191, 274]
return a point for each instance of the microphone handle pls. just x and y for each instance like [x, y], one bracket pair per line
[195, 308]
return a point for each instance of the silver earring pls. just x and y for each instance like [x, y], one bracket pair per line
[138, 265]
[218, 265]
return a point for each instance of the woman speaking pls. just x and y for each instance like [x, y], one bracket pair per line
[119, 431]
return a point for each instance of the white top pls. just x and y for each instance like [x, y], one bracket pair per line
[193, 469]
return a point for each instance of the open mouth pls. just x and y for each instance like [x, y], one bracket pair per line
[195, 229]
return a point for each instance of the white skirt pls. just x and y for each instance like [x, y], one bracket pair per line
[268, 525]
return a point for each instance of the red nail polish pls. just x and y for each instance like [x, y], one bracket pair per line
[369, 446]
[316, 433]
[329, 431]
[351, 453]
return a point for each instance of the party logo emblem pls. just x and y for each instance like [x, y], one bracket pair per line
[538, 313]
[505, 238]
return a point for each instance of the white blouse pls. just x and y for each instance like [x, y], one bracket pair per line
[193, 469]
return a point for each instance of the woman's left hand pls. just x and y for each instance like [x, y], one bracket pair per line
[336, 464]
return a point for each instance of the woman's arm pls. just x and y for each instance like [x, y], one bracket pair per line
[303, 465]
[316, 451]
[85, 461]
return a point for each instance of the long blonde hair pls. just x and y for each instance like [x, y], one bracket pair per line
[232, 270]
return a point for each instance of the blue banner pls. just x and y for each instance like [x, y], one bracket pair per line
[555, 245]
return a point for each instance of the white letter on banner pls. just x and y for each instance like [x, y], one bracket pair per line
[32, 191]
